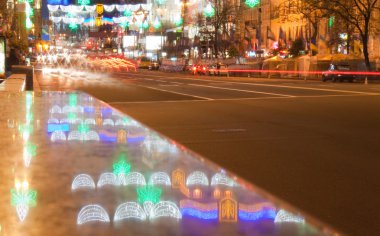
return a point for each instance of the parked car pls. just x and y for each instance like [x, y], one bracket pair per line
[153, 65]
[338, 72]
[218, 69]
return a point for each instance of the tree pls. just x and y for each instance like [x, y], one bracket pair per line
[358, 13]
[297, 46]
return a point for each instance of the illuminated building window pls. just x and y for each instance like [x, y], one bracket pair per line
[178, 178]
[197, 193]
[91, 213]
[228, 210]
[216, 193]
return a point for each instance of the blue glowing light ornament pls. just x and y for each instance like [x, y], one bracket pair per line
[252, 3]
[209, 11]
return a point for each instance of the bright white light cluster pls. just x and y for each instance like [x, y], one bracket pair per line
[129, 210]
[197, 178]
[107, 179]
[284, 216]
[90, 121]
[91, 213]
[83, 181]
[222, 179]
[58, 135]
[160, 178]
[22, 211]
[120, 122]
[55, 109]
[53, 121]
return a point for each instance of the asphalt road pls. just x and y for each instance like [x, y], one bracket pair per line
[315, 145]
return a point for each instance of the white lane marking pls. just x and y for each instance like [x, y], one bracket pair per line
[184, 94]
[276, 86]
[242, 90]
[247, 99]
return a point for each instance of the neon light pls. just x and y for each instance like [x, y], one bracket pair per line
[148, 193]
[29, 153]
[209, 215]
[160, 178]
[58, 135]
[58, 127]
[257, 211]
[107, 179]
[284, 216]
[129, 210]
[207, 211]
[134, 178]
[82, 181]
[92, 213]
[228, 210]
[165, 209]
[197, 178]
[222, 179]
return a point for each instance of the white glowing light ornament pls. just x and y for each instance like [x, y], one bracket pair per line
[160, 178]
[108, 178]
[82, 181]
[284, 216]
[197, 178]
[129, 210]
[91, 213]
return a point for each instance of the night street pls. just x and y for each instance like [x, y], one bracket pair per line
[312, 144]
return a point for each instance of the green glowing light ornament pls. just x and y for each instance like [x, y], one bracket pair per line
[209, 11]
[121, 167]
[22, 200]
[83, 128]
[73, 26]
[252, 3]
[331, 21]
[157, 23]
[148, 193]
[30, 12]
[128, 12]
[27, 197]
[31, 149]
[124, 24]
[178, 21]
[71, 116]
[145, 25]
[84, 2]
[73, 98]
[160, 2]
[25, 128]
[28, 23]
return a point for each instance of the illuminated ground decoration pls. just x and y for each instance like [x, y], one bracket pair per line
[22, 198]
